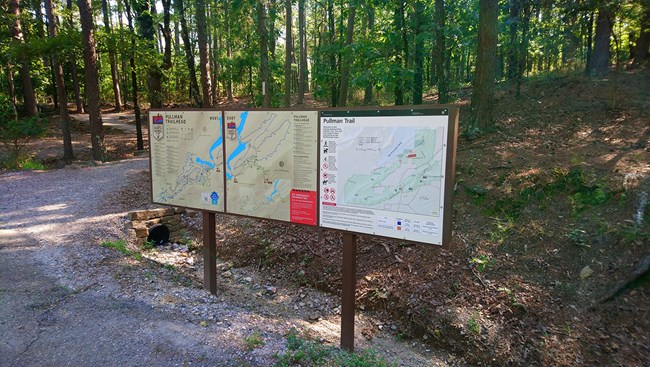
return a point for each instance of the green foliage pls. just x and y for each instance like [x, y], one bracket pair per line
[306, 352]
[15, 133]
[578, 237]
[481, 263]
[253, 341]
[121, 247]
[473, 324]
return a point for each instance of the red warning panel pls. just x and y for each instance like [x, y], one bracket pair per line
[303, 207]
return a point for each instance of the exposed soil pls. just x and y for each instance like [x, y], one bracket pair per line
[549, 218]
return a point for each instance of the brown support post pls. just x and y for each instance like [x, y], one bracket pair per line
[209, 253]
[349, 287]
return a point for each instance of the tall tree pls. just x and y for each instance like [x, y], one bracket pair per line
[92, 81]
[29, 98]
[73, 66]
[111, 57]
[346, 61]
[287, 54]
[144, 10]
[331, 32]
[204, 61]
[265, 73]
[482, 106]
[441, 53]
[60, 87]
[601, 54]
[302, 44]
[400, 51]
[367, 94]
[418, 52]
[189, 53]
[642, 52]
[134, 79]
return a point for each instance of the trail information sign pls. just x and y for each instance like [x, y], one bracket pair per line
[383, 172]
[271, 164]
[187, 158]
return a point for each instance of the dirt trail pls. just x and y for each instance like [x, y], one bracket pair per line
[66, 301]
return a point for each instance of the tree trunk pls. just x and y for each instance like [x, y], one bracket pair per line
[73, 68]
[302, 41]
[367, 93]
[482, 106]
[264, 52]
[332, 55]
[346, 60]
[12, 90]
[418, 55]
[29, 98]
[229, 81]
[189, 53]
[60, 89]
[602, 53]
[513, 69]
[204, 62]
[399, 52]
[441, 78]
[287, 55]
[92, 82]
[111, 57]
[134, 81]
[642, 52]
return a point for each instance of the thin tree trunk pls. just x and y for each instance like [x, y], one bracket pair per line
[73, 67]
[302, 44]
[523, 46]
[60, 88]
[204, 62]
[399, 51]
[642, 53]
[29, 98]
[418, 61]
[367, 94]
[442, 79]
[264, 52]
[287, 55]
[134, 81]
[229, 81]
[92, 82]
[482, 106]
[12, 90]
[346, 60]
[332, 54]
[111, 57]
[189, 53]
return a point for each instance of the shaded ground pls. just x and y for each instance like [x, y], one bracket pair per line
[549, 218]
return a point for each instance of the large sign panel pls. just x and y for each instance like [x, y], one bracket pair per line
[271, 164]
[187, 158]
[382, 172]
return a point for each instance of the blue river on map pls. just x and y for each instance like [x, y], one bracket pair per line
[240, 148]
[214, 146]
[275, 190]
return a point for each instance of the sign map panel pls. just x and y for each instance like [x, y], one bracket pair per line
[187, 159]
[382, 172]
[271, 160]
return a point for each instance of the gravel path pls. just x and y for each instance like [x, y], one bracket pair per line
[67, 301]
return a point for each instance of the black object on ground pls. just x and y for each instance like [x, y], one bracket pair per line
[158, 234]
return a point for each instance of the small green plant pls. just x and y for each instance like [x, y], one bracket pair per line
[306, 352]
[148, 244]
[31, 164]
[120, 246]
[253, 341]
[473, 324]
[481, 263]
[578, 237]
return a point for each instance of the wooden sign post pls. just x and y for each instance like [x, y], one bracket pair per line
[348, 292]
[209, 253]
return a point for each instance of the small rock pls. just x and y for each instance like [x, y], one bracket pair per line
[248, 280]
[270, 289]
[393, 327]
[586, 272]
[314, 316]
[227, 274]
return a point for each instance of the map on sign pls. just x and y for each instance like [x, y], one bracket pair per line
[271, 164]
[384, 175]
[187, 158]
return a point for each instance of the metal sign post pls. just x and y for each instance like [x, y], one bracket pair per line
[348, 293]
[209, 253]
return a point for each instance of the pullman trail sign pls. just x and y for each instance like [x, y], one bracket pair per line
[385, 172]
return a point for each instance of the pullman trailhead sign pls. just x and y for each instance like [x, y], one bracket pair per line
[385, 172]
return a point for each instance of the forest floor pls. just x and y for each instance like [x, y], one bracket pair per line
[550, 218]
